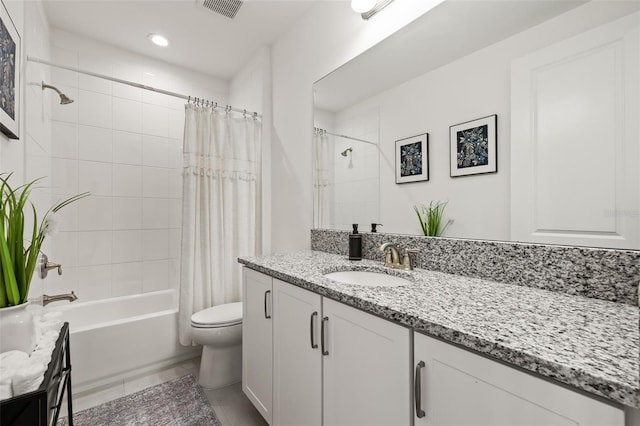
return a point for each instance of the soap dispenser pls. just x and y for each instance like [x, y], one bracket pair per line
[355, 244]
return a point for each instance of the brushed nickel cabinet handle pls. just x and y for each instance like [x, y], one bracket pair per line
[314, 345]
[418, 390]
[322, 333]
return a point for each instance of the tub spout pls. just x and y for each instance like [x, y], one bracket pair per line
[46, 299]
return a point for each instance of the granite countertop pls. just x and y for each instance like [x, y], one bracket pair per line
[590, 344]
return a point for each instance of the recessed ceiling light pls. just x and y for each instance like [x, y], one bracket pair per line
[158, 40]
[363, 6]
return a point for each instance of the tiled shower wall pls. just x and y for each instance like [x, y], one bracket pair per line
[124, 145]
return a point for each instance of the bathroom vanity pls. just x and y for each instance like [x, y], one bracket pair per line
[445, 349]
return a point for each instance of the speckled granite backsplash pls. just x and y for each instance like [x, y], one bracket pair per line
[605, 274]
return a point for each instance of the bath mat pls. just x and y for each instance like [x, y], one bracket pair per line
[180, 402]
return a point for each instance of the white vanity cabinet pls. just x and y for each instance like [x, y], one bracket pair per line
[257, 342]
[454, 386]
[332, 364]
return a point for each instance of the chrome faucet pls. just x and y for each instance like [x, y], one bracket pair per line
[392, 258]
[46, 299]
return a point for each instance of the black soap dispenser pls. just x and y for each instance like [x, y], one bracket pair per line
[355, 244]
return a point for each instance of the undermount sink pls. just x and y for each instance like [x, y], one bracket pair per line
[367, 278]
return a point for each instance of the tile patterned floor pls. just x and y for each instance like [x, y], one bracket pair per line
[230, 404]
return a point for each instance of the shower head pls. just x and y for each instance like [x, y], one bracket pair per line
[346, 151]
[64, 99]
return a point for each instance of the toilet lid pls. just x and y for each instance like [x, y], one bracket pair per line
[220, 315]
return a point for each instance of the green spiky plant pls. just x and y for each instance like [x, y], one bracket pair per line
[431, 218]
[19, 252]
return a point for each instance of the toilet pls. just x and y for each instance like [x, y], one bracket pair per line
[219, 331]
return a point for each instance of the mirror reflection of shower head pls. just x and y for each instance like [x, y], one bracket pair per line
[64, 99]
[346, 151]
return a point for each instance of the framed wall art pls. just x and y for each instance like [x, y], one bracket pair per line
[9, 75]
[412, 159]
[473, 147]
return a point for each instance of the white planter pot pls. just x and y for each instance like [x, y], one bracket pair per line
[17, 331]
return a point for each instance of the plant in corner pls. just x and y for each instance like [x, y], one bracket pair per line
[431, 217]
[19, 252]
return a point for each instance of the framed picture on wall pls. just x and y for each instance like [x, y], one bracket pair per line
[473, 147]
[412, 159]
[9, 75]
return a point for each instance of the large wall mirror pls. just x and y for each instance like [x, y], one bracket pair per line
[563, 79]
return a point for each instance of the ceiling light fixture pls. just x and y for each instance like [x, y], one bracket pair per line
[158, 40]
[363, 6]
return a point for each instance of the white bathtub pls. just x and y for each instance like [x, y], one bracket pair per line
[113, 338]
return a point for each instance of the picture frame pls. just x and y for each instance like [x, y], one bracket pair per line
[474, 147]
[10, 60]
[412, 159]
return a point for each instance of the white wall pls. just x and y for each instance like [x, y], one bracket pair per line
[124, 145]
[329, 35]
[250, 89]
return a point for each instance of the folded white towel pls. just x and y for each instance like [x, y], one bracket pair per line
[28, 378]
[48, 339]
[50, 316]
[43, 356]
[50, 325]
[9, 362]
[5, 391]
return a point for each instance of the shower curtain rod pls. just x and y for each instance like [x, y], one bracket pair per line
[142, 86]
[318, 130]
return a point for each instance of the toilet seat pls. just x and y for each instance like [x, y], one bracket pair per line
[218, 316]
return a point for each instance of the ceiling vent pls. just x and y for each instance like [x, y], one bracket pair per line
[227, 8]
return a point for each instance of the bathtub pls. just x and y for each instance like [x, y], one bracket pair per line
[114, 338]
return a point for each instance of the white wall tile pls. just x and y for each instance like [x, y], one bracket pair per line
[175, 153]
[95, 214]
[64, 176]
[94, 109]
[155, 182]
[94, 282]
[65, 283]
[66, 57]
[127, 148]
[95, 177]
[127, 115]
[130, 73]
[155, 213]
[95, 248]
[155, 276]
[68, 216]
[127, 279]
[69, 112]
[176, 124]
[127, 246]
[155, 120]
[155, 151]
[155, 244]
[175, 183]
[127, 180]
[98, 65]
[152, 79]
[95, 143]
[64, 247]
[64, 140]
[127, 213]
[175, 243]
[175, 213]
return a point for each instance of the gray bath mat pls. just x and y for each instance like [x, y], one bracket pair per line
[179, 402]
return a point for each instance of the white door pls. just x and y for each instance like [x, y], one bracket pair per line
[456, 387]
[257, 343]
[366, 369]
[297, 360]
[575, 140]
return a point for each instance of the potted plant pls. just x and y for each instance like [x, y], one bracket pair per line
[431, 218]
[19, 253]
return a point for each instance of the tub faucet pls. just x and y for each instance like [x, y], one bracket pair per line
[46, 299]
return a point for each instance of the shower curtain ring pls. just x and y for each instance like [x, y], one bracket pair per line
[244, 113]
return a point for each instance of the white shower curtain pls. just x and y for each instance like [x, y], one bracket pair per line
[321, 182]
[221, 208]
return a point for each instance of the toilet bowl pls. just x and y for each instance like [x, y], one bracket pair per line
[219, 331]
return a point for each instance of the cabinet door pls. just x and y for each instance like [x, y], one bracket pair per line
[297, 360]
[257, 343]
[366, 369]
[458, 387]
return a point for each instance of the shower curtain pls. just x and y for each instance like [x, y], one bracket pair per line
[321, 182]
[221, 216]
